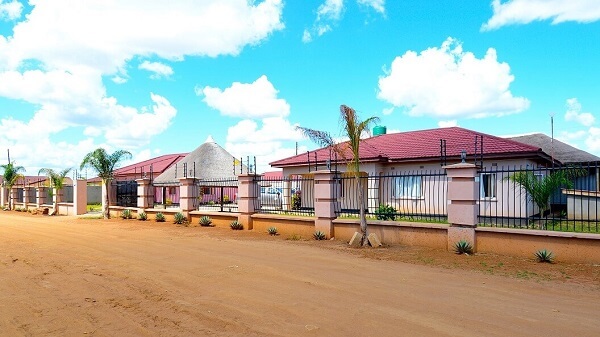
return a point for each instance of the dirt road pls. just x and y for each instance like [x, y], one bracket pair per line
[61, 276]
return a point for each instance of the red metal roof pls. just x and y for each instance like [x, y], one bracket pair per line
[422, 145]
[159, 165]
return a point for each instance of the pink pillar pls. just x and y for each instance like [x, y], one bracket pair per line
[325, 201]
[12, 197]
[25, 197]
[41, 193]
[186, 195]
[145, 193]
[3, 196]
[248, 192]
[80, 196]
[463, 210]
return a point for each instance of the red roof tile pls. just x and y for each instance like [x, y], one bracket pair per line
[159, 165]
[421, 145]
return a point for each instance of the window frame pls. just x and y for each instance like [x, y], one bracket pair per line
[416, 183]
[493, 182]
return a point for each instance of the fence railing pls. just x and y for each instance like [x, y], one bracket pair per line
[412, 195]
[216, 195]
[126, 193]
[67, 193]
[560, 198]
[293, 195]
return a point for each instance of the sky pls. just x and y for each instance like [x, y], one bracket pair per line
[159, 77]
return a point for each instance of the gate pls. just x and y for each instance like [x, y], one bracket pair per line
[126, 193]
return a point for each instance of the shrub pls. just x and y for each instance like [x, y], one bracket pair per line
[318, 235]
[142, 216]
[226, 199]
[294, 237]
[179, 218]
[126, 214]
[169, 201]
[272, 231]
[463, 247]
[385, 212]
[159, 217]
[205, 221]
[236, 225]
[296, 200]
[544, 255]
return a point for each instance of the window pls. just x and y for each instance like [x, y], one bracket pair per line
[205, 190]
[488, 186]
[408, 187]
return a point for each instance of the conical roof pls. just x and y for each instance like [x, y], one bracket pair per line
[207, 162]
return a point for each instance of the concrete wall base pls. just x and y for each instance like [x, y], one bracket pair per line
[456, 234]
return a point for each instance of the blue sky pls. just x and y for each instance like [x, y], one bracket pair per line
[158, 77]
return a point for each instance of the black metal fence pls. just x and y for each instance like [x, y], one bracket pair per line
[560, 198]
[409, 196]
[67, 193]
[292, 195]
[217, 195]
[126, 193]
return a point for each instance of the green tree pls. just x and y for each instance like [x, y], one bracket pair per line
[540, 189]
[352, 128]
[57, 181]
[104, 164]
[11, 174]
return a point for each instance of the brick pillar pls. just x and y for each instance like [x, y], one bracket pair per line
[463, 210]
[186, 195]
[3, 196]
[12, 198]
[25, 197]
[145, 194]
[80, 196]
[248, 192]
[41, 194]
[325, 201]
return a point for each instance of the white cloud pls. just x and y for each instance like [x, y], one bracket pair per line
[118, 79]
[387, 111]
[158, 69]
[246, 100]
[574, 113]
[447, 124]
[592, 140]
[10, 10]
[526, 11]
[330, 12]
[56, 60]
[448, 82]
[377, 5]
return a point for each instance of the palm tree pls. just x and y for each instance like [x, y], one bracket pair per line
[57, 180]
[353, 128]
[11, 174]
[104, 164]
[540, 189]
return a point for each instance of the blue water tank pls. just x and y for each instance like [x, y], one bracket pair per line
[379, 130]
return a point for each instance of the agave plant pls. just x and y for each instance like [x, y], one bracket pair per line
[142, 216]
[205, 221]
[179, 218]
[159, 217]
[463, 247]
[272, 231]
[318, 235]
[544, 255]
[126, 214]
[236, 225]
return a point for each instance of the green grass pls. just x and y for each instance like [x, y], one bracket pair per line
[94, 207]
[556, 226]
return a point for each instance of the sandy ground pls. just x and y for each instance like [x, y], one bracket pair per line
[62, 276]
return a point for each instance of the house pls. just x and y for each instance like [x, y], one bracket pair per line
[582, 200]
[213, 169]
[405, 170]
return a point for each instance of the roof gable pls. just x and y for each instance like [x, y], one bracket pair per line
[564, 153]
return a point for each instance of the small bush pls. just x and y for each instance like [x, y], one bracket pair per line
[295, 237]
[385, 212]
[236, 225]
[544, 255]
[205, 221]
[272, 231]
[463, 247]
[142, 216]
[126, 214]
[318, 235]
[296, 200]
[159, 217]
[179, 218]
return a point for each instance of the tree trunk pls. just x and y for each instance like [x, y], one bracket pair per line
[363, 218]
[106, 210]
